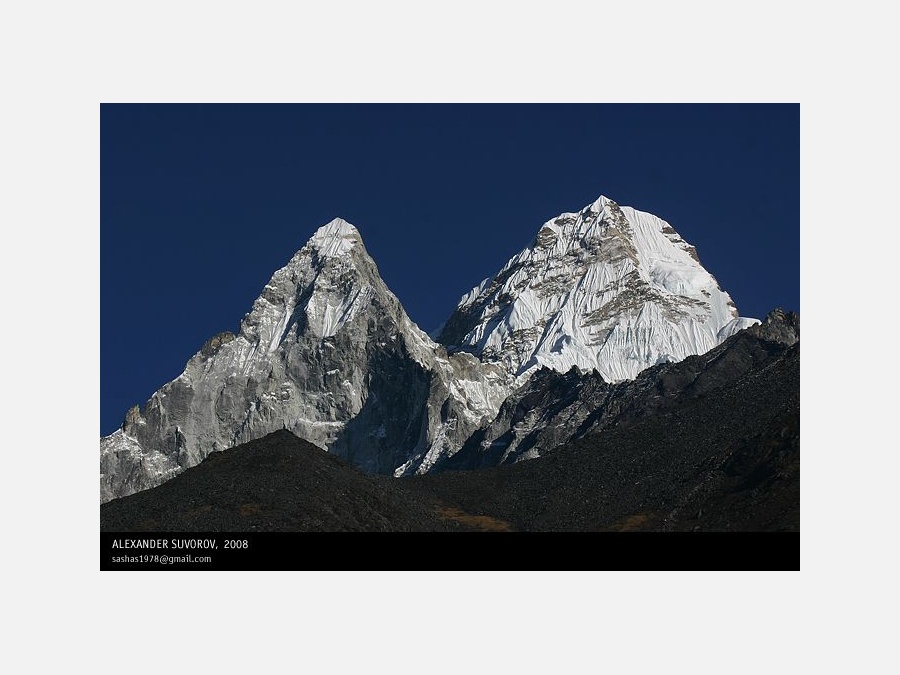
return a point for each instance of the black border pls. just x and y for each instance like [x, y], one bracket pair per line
[299, 551]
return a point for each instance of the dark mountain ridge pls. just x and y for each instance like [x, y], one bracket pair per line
[554, 408]
[275, 483]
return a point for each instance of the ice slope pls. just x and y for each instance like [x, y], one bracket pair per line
[609, 288]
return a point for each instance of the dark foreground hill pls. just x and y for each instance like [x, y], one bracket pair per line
[275, 483]
[728, 460]
[725, 458]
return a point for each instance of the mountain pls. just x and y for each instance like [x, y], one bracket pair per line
[712, 443]
[328, 353]
[608, 288]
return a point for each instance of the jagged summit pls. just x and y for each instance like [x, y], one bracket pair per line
[608, 288]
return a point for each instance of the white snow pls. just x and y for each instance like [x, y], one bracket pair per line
[336, 238]
[735, 325]
[281, 327]
[327, 311]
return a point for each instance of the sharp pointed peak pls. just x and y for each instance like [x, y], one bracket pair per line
[579, 221]
[335, 238]
[337, 227]
[599, 204]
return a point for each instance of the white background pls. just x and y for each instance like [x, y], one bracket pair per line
[61, 60]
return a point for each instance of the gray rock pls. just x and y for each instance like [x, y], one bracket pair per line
[779, 326]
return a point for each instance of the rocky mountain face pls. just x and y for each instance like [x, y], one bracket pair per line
[328, 353]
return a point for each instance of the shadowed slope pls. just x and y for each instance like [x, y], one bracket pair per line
[275, 483]
[725, 460]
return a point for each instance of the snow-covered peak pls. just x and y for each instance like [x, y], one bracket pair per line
[335, 238]
[608, 288]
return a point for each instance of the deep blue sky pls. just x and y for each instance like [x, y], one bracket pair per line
[200, 204]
